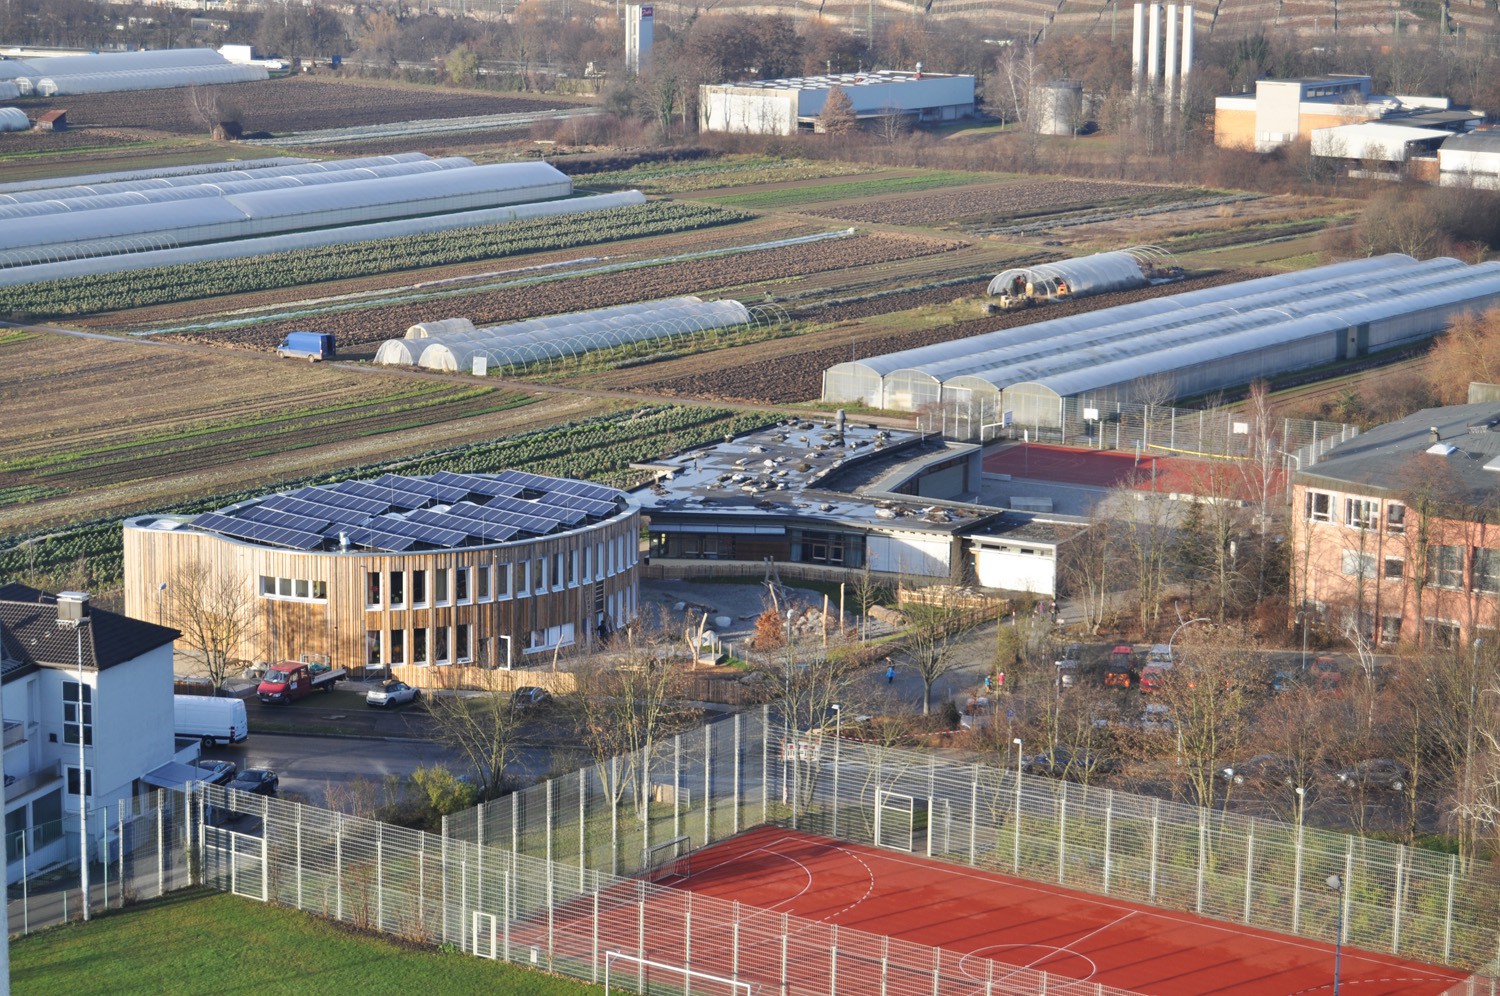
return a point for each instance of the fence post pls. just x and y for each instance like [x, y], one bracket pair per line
[299, 853]
[1109, 825]
[765, 763]
[443, 856]
[379, 876]
[687, 935]
[677, 785]
[734, 941]
[833, 959]
[885, 963]
[583, 819]
[973, 816]
[1062, 832]
[422, 884]
[1202, 849]
[1345, 891]
[338, 866]
[1155, 834]
[1249, 867]
[937, 975]
[1297, 880]
[550, 802]
[614, 815]
[783, 951]
[161, 848]
[507, 883]
[736, 768]
[463, 900]
[1448, 915]
[1400, 898]
[120, 818]
[708, 783]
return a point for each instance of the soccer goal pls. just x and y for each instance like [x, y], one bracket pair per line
[670, 860]
[629, 973]
[895, 820]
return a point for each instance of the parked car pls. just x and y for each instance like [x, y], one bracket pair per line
[1067, 666]
[1328, 674]
[217, 772]
[391, 693]
[530, 697]
[1262, 769]
[1282, 681]
[1379, 772]
[1156, 718]
[1061, 762]
[212, 721]
[260, 781]
[1121, 670]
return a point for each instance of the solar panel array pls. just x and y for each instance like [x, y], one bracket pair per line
[396, 513]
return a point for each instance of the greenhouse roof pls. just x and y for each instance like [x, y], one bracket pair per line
[398, 513]
[1096, 274]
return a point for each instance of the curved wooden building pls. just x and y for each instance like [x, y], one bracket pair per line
[415, 573]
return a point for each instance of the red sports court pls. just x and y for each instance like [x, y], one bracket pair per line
[1114, 468]
[981, 916]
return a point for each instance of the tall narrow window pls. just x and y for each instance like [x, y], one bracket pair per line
[398, 646]
[461, 649]
[440, 586]
[482, 577]
[78, 713]
[419, 587]
[398, 589]
[440, 644]
[372, 648]
[419, 645]
[461, 584]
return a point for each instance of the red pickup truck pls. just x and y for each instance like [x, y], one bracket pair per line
[288, 681]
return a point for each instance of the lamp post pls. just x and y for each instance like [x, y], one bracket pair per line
[77, 624]
[1016, 860]
[1302, 620]
[1182, 626]
[1297, 872]
[1336, 886]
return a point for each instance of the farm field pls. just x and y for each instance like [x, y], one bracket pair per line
[277, 106]
[84, 438]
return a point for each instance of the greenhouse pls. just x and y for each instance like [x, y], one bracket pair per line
[12, 119]
[103, 225]
[1200, 341]
[166, 172]
[139, 254]
[114, 71]
[446, 345]
[1096, 274]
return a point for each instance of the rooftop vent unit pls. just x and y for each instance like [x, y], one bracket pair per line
[72, 607]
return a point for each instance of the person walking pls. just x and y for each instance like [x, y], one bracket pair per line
[989, 683]
[890, 672]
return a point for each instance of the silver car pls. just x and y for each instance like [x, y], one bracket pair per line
[391, 693]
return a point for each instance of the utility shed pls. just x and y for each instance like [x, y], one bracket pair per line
[782, 107]
[52, 121]
[1470, 160]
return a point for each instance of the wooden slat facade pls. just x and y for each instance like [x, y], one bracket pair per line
[286, 628]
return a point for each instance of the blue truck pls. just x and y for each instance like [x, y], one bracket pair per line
[312, 346]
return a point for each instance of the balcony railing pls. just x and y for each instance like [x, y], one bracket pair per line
[15, 733]
[35, 780]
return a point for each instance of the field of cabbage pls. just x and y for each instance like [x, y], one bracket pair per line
[992, 204]
[166, 284]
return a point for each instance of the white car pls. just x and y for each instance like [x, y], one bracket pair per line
[391, 693]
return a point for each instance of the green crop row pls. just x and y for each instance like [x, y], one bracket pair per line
[878, 187]
[166, 284]
[89, 555]
[707, 174]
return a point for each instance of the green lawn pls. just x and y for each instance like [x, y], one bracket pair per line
[212, 943]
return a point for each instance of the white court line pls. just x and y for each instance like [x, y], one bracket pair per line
[980, 875]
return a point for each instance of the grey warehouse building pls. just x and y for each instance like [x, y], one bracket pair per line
[782, 107]
[1059, 373]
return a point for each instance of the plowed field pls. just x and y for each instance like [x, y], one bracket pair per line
[786, 371]
[372, 325]
[295, 103]
[989, 204]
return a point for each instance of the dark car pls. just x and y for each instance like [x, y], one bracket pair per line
[1263, 769]
[1328, 675]
[530, 697]
[1062, 762]
[216, 772]
[1283, 681]
[260, 781]
[1380, 772]
[1121, 670]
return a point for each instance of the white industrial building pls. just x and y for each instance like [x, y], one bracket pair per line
[783, 107]
[1471, 160]
[107, 72]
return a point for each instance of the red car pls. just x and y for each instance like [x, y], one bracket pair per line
[1120, 671]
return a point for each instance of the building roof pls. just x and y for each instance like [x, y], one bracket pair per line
[52, 115]
[1390, 458]
[843, 80]
[1487, 140]
[403, 514]
[30, 636]
[1372, 140]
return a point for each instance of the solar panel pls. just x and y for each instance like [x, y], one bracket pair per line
[258, 532]
[589, 506]
[477, 485]
[389, 495]
[571, 516]
[527, 523]
[583, 489]
[281, 517]
[341, 499]
[427, 533]
[376, 539]
[313, 509]
[493, 532]
[417, 485]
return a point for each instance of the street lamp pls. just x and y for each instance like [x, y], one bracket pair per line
[77, 621]
[1336, 886]
[1182, 626]
[1016, 860]
[1297, 872]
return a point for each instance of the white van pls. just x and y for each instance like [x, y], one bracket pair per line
[211, 720]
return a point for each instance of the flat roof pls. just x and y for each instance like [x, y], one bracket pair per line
[1401, 455]
[826, 82]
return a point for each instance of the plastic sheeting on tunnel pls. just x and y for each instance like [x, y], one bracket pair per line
[12, 119]
[1096, 274]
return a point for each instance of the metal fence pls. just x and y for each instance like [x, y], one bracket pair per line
[1265, 873]
[139, 851]
[1160, 430]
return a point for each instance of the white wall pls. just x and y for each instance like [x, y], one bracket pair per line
[1006, 567]
[748, 110]
[909, 553]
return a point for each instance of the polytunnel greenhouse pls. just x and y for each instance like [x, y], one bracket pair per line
[221, 209]
[1200, 341]
[446, 345]
[12, 119]
[114, 71]
[1096, 274]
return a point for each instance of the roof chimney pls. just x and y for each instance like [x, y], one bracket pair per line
[1433, 436]
[72, 608]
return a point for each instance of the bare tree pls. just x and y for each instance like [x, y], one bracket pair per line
[1208, 689]
[215, 610]
[483, 727]
[936, 627]
[1090, 566]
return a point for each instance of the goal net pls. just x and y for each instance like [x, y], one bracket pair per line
[629, 973]
[670, 860]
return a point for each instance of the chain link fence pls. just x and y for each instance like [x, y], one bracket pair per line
[139, 850]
